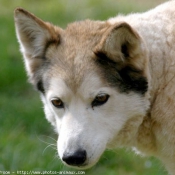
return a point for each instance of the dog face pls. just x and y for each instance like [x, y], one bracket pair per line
[93, 81]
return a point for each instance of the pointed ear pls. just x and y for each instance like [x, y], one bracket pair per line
[123, 52]
[123, 45]
[34, 36]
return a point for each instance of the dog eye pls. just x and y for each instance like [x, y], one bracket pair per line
[100, 100]
[57, 103]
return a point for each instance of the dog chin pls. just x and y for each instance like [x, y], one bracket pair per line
[82, 167]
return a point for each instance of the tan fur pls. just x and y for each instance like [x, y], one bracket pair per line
[149, 38]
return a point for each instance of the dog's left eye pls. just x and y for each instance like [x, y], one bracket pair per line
[100, 100]
[57, 103]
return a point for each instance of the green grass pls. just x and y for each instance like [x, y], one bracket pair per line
[25, 135]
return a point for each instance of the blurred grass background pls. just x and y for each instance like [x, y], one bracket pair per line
[25, 135]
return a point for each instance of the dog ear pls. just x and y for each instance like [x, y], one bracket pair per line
[123, 52]
[34, 36]
[123, 45]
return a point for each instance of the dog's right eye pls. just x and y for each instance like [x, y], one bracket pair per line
[100, 99]
[57, 103]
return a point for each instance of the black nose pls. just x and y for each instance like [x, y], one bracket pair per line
[76, 158]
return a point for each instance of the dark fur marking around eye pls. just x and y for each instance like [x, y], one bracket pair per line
[133, 79]
[125, 77]
[40, 86]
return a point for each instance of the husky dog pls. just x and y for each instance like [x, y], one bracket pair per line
[105, 83]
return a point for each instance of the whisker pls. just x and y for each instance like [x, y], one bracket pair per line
[53, 146]
[56, 156]
[51, 138]
[45, 141]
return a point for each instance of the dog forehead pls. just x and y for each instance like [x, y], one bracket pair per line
[84, 33]
[73, 59]
[71, 68]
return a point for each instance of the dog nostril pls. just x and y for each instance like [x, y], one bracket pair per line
[76, 158]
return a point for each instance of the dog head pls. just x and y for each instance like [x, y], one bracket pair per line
[93, 80]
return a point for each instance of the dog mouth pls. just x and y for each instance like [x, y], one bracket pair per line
[83, 166]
